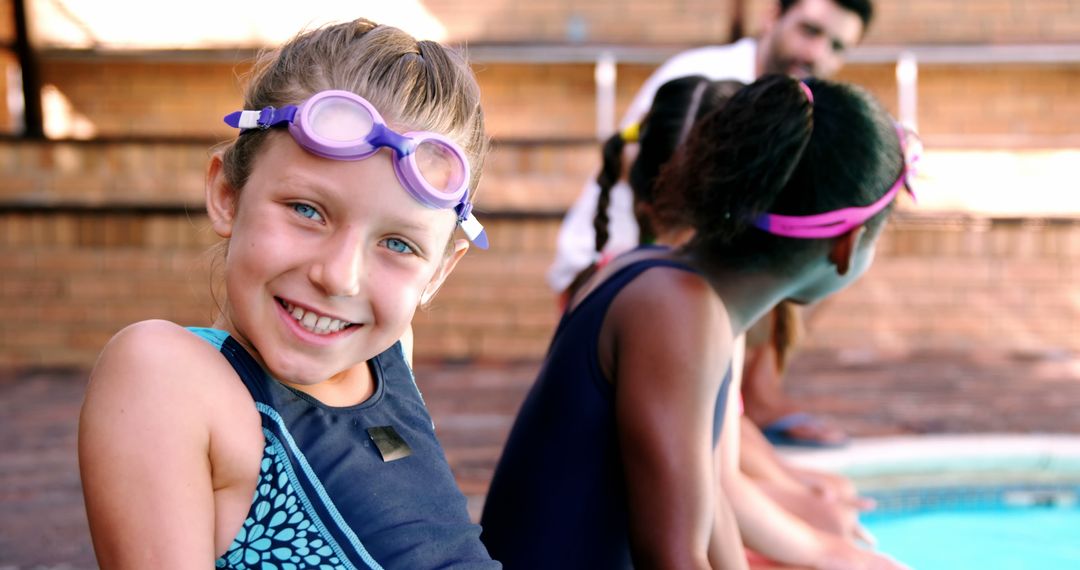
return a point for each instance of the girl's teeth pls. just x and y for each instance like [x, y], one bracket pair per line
[314, 322]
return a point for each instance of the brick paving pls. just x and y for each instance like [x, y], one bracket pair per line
[42, 524]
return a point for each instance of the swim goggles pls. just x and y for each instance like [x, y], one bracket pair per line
[838, 222]
[341, 125]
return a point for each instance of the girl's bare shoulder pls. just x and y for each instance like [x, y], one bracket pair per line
[157, 362]
[675, 311]
[159, 347]
[676, 294]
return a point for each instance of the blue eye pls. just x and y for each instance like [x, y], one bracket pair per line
[397, 246]
[307, 211]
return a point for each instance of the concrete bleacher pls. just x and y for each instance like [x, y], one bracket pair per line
[997, 100]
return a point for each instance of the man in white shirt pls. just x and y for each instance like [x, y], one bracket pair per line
[801, 38]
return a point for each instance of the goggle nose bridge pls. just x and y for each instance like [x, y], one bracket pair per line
[381, 136]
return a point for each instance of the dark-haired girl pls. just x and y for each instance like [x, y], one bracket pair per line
[613, 461]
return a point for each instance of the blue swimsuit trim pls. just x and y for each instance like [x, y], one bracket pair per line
[319, 489]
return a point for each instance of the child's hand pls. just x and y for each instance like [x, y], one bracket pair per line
[835, 487]
[843, 555]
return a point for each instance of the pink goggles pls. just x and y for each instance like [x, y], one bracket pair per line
[838, 222]
[341, 125]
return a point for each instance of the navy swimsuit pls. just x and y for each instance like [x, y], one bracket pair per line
[365, 486]
[558, 497]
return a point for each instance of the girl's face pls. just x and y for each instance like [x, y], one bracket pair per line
[327, 259]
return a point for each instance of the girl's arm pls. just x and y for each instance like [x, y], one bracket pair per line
[144, 444]
[827, 502]
[759, 461]
[764, 526]
[771, 530]
[667, 371]
[722, 552]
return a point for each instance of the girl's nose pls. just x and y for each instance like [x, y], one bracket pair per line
[339, 269]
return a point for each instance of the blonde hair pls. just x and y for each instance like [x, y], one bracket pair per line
[415, 85]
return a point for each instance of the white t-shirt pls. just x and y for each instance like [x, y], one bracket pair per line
[576, 245]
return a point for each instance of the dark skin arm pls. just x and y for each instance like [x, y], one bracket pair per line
[660, 353]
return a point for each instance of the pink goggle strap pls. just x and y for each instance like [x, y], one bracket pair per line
[838, 222]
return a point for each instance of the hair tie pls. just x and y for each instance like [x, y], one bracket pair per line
[807, 91]
[631, 132]
[691, 113]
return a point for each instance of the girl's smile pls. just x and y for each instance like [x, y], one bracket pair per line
[314, 327]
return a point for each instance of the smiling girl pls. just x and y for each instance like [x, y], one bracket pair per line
[291, 434]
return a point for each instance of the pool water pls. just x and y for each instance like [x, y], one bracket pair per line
[991, 537]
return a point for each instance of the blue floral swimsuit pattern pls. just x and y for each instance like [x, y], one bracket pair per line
[405, 513]
[281, 534]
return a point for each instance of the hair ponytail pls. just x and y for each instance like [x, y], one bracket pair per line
[610, 172]
[737, 160]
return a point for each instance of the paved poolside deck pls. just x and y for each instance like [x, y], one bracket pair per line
[42, 523]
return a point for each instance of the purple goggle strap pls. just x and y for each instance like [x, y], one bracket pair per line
[268, 117]
[271, 117]
[837, 222]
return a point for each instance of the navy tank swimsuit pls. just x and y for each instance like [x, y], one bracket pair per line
[558, 496]
[365, 486]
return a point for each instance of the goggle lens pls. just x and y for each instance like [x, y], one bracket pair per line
[340, 120]
[439, 166]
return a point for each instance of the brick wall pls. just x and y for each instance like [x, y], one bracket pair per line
[178, 99]
[136, 98]
[8, 64]
[7, 21]
[123, 248]
[633, 21]
[71, 280]
[1033, 102]
[954, 283]
[1028, 105]
[520, 176]
[975, 22]
[708, 21]
[1001, 105]
[143, 173]
[910, 22]
[516, 96]
[686, 22]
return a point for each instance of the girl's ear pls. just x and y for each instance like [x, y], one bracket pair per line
[220, 197]
[461, 246]
[842, 252]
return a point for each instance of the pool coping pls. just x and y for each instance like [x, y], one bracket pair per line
[950, 460]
